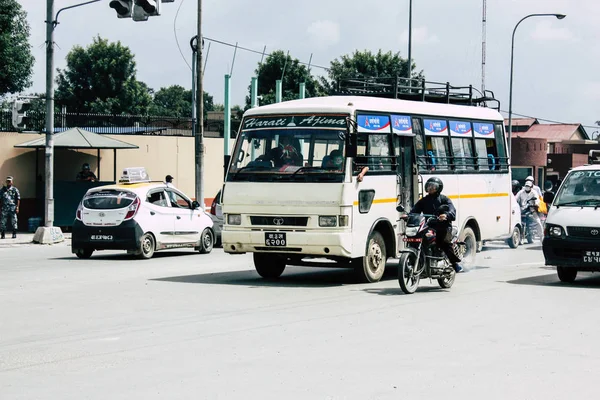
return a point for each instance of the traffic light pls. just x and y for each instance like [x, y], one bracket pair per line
[122, 7]
[19, 113]
[142, 9]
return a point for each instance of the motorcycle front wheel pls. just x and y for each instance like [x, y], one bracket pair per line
[409, 282]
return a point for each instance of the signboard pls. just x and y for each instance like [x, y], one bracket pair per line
[460, 129]
[402, 124]
[295, 121]
[483, 130]
[374, 123]
[435, 127]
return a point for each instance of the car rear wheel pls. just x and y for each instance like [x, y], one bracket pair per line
[207, 241]
[84, 253]
[147, 246]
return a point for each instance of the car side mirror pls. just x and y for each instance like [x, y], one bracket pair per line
[195, 205]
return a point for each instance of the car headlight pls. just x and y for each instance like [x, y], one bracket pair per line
[328, 220]
[234, 219]
[554, 231]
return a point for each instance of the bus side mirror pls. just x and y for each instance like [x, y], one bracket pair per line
[351, 145]
[399, 208]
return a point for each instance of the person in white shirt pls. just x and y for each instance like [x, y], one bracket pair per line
[169, 180]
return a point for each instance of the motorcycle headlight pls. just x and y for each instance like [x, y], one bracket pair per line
[412, 230]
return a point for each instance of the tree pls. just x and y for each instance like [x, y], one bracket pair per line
[16, 60]
[102, 79]
[295, 73]
[365, 64]
[176, 101]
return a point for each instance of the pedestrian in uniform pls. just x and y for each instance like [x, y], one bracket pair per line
[10, 199]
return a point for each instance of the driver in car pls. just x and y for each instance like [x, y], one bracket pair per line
[430, 204]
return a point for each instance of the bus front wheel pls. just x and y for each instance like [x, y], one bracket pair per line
[371, 267]
[269, 266]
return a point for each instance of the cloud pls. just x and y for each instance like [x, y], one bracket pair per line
[420, 35]
[546, 30]
[324, 33]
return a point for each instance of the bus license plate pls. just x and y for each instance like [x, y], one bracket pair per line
[275, 239]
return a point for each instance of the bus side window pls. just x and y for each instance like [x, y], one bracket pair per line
[379, 153]
[502, 160]
[438, 152]
[482, 154]
[462, 148]
[422, 158]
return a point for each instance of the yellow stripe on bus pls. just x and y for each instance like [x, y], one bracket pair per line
[454, 197]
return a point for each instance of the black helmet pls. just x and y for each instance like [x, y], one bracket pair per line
[436, 182]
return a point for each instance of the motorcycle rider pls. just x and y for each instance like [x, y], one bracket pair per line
[524, 198]
[430, 205]
[536, 189]
[516, 186]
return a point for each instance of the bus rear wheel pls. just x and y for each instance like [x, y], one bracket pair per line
[371, 267]
[269, 266]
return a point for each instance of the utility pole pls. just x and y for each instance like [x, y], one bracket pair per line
[199, 138]
[483, 46]
[409, 41]
[49, 202]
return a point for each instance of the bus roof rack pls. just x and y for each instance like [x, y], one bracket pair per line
[594, 157]
[416, 90]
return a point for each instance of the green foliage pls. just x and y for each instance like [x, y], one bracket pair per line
[176, 101]
[102, 79]
[365, 64]
[16, 60]
[295, 73]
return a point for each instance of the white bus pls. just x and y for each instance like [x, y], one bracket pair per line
[292, 194]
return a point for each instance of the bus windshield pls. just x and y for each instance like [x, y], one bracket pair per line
[288, 154]
[580, 188]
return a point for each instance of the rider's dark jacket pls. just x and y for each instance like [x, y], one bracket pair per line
[430, 205]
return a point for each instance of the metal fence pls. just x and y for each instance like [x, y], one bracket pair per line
[116, 124]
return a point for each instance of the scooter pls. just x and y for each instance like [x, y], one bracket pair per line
[532, 224]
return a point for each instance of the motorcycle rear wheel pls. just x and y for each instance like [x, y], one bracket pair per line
[448, 281]
[406, 268]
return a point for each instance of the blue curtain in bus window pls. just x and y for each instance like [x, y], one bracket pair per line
[436, 143]
[462, 145]
[485, 145]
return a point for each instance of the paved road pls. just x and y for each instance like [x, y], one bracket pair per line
[188, 326]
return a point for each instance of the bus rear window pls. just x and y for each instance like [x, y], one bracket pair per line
[108, 200]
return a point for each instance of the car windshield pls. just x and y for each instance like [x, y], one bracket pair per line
[290, 153]
[580, 188]
[108, 200]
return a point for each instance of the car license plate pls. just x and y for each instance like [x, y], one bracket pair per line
[101, 237]
[413, 240]
[591, 257]
[275, 239]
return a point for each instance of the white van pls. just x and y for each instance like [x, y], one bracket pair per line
[572, 232]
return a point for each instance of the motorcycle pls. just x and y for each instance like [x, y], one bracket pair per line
[422, 258]
[531, 222]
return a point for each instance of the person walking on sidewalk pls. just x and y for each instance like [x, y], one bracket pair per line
[10, 199]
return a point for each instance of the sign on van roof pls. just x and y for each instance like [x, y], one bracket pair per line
[134, 175]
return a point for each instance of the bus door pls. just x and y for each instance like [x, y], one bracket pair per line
[406, 182]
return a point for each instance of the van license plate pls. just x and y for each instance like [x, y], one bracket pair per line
[101, 237]
[591, 257]
[275, 239]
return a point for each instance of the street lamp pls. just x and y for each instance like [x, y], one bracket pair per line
[512, 49]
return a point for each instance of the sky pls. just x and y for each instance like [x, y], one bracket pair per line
[555, 61]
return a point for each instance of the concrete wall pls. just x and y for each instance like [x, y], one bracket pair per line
[161, 155]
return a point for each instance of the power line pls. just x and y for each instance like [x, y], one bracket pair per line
[258, 52]
[552, 121]
[175, 33]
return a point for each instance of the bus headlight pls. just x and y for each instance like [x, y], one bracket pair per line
[234, 219]
[327, 220]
